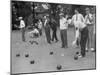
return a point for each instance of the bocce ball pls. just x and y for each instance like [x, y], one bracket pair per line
[51, 53]
[59, 67]
[26, 55]
[32, 62]
[17, 55]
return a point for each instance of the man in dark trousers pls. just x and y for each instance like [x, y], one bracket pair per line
[53, 25]
[47, 28]
[84, 36]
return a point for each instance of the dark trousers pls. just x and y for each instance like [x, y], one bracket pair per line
[77, 41]
[40, 31]
[84, 37]
[54, 35]
[23, 34]
[47, 33]
[63, 34]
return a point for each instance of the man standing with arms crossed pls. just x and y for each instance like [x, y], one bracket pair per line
[90, 25]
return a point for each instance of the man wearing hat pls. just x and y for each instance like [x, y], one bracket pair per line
[63, 30]
[89, 23]
[22, 26]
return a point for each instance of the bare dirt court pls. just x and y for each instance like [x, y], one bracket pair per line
[43, 61]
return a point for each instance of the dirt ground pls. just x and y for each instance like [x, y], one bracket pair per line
[43, 61]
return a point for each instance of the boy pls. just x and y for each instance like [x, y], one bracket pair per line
[63, 30]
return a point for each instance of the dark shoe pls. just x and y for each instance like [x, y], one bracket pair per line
[62, 47]
[52, 40]
[66, 47]
[86, 50]
[77, 47]
[49, 42]
[56, 40]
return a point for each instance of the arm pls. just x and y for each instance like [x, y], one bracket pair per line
[72, 21]
[45, 22]
[82, 18]
[90, 17]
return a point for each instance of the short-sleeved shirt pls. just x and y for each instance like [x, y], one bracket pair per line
[63, 23]
[22, 24]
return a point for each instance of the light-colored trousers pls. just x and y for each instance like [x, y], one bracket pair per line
[90, 41]
[77, 34]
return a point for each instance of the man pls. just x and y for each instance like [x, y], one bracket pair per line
[34, 34]
[83, 38]
[94, 28]
[90, 25]
[54, 29]
[63, 31]
[47, 28]
[22, 26]
[75, 21]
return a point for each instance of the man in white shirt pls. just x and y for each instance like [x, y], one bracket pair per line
[63, 30]
[90, 25]
[22, 26]
[75, 21]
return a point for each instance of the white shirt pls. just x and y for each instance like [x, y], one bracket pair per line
[77, 18]
[88, 18]
[22, 24]
[63, 23]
